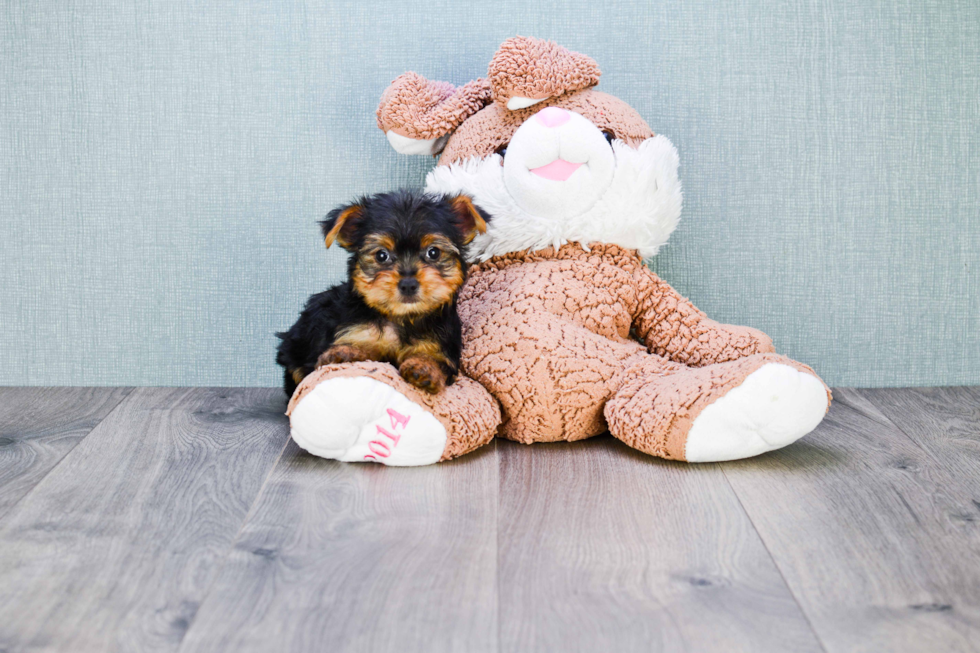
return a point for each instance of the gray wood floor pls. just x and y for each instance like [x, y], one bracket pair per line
[170, 519]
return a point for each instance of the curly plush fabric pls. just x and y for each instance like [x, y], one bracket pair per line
[535, 69]
[549, 335]
[673, 327]
[416, 107]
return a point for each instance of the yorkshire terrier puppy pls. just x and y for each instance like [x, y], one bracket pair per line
[407, 263]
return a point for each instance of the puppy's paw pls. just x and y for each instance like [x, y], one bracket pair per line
[424, 373]
[341, 354]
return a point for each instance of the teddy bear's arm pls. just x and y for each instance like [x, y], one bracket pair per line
[673, 327]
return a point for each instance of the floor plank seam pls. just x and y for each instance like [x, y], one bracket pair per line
[231, 547]
[10, 509]
[775, 563]
[496, 521]
[894, 425]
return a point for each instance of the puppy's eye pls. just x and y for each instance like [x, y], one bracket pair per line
[610, 137]
[382, 256]
[432, 253]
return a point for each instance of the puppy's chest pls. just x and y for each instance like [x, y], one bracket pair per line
[383, 342]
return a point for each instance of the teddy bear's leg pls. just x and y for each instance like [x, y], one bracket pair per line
[725, 411]
[367, 412]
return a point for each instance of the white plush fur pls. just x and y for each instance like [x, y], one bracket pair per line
[638, 210]
[773, 407]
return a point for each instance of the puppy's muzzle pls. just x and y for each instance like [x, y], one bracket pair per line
[408, 287]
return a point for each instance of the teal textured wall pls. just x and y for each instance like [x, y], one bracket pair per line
[162, 165]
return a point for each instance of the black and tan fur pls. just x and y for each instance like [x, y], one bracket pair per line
[398, 305]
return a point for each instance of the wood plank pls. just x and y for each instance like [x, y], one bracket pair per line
[115, 548]
[359, 557]
[946, 423]
[39, 426]
[603, 548]
[858, 519]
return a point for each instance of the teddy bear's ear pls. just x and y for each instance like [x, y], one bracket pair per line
[418, 115]
[526, 71]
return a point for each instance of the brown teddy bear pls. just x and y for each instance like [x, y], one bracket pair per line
[566, 333]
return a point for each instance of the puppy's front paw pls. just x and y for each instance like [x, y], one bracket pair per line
[423, 373]
[341, 354]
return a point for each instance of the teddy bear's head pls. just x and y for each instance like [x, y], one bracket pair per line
[549, 157]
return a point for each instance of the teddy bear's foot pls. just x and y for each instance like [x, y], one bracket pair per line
[774, 406]
[366, 412]
[724, 411]
[361, 419]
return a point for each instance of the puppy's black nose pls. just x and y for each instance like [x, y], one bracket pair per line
[408, 286]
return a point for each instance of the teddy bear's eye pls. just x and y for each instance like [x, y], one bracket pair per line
[502, 151]
[609, 136]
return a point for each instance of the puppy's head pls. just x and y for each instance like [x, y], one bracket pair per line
[408, 249]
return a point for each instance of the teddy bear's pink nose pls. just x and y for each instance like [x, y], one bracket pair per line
[553, 116]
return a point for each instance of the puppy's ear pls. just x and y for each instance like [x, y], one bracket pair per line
[341, 224]
[469, 218]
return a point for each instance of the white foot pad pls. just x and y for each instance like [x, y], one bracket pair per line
[773, 407]
[359, 419]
